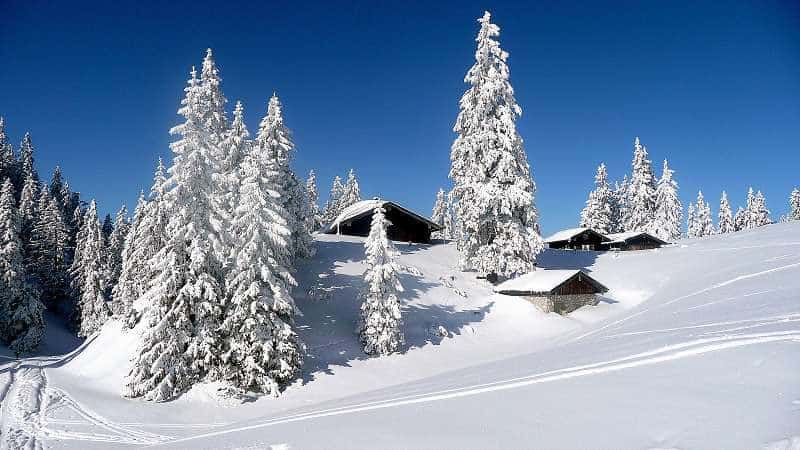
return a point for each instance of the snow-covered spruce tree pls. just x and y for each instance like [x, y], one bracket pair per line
[145, 238]
[669, 211]
[597, 214]
[180, 342]
[107, 228]
[332, 206]
[275, 140]
[351, 193]
[747, 221]
[8, 163]
[89, 272]
[314, 214]
[442, 216]
[116, 245]
[619, 205]
[703, 225]
[21, 321]
[48, 251]
[759, 214]
[379, 327]
[725, 216]
[740, 219]
[261, 351]
[26, 161]
[233, 148]
[794, 204]
[493, 191]
[691, 221]
[641, 192]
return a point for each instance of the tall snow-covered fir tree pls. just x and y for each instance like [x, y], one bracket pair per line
[740, 219]
[233, 148]
[442, 216]
[493, 190]
[48, 257]
[21, 321]
[261, 351]
[8, 162]
[758, 212]
[619, 205]
[381, 320]
[351, 193]
[332, 206]
[725, 216]
[669, 211]
[691, 221]
[701, 224]
[27, 166]
[794, 204]
[315, 216]
[116, 245]
[89, 272]
[597, 214]
[275, 141]
[641, 192]
[180, 341]
[28, 213]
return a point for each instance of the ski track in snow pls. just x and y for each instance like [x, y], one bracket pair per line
[664, 354]
[617, 323]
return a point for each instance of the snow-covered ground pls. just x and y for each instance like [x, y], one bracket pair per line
[696, 346]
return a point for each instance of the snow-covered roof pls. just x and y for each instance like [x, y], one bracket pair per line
[620, 238]
[565, 235]
[542, 281]
[364, 207]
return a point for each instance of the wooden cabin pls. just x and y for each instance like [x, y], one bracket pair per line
[559, 291]
[402, 224]
[633, 240]
[577, 239]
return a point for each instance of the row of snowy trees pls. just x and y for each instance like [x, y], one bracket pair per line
[207, 264]
[341, 196]
[638, 203]
[496, 221]
[755, 214]
[43, 240]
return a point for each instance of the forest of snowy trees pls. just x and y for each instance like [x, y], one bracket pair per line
[642, 203]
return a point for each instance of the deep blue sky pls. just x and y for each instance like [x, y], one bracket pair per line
[712, 85]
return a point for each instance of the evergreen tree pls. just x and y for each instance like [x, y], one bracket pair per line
[493, 190]
[28, 213]
[758, 212]
[107, 228]
[794, 204]
[619, 206]
[261, 349]
[379, 328]
[597, 214]
[351, 193]
[26, 162]
[442, 216]
[116, 245]
[57, 188]
[89, 273]
[180, 342]
[703, 223]
[669, 211]
[8, 162]
[48, 245]
[315, 216]
[740, 219]
[21, 321]
[691, 222]
[726, 223]
[641, 192]
[275, 141]
[332, 210]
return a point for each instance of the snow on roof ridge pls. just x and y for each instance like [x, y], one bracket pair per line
[540, 280]
[564, 235]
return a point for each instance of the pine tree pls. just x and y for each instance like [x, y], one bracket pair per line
[493, 190]
[641, 192]
[726, 223]
[332, 210]
[703, 223]
[116, 245]
[740, 219]
[315, 216]
[758, 212]
[48, 251]
[28, 214]
[26, 161]
[8, 162]
[89, 274]
[442, 216]
[691, 221]
[351, 193]
[107, 228]
[234, 146]
[381, 320]
[57, 188]
[619, 206]
[597, 214]
[261, 351]
[180, 342]
[669, 211]
[275, 140]
[794, 204]
[21, 321]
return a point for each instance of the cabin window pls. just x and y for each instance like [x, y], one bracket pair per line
[586, 247]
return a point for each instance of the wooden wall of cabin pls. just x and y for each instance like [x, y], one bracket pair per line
[576, 286]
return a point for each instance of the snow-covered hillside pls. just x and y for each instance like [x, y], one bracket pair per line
[695, 346]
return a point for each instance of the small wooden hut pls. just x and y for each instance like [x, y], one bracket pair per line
[560, 291]
[576, 239]
[634, 240]
[403, 224]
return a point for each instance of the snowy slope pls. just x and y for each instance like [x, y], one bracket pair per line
[695, 346]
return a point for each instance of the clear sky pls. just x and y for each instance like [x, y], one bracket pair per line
[712, 85]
